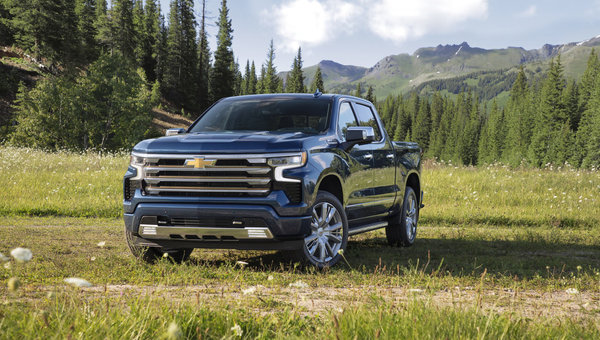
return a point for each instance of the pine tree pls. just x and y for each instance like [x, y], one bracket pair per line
[358, 91]
[123, 30]
[103, 28]
[182, 52]
[203, 63]
[252, 80]
[47, 28]
[6, 31]
[139, 31]
[222, 76]
[317, 83]
[237, 82]
[492, 135]
[246, 78]
[260, 81]
[588, 134]
[295, 83]
[422, 126]
[550, 118]
[85, 11]
[150, 40]
[161, 53]
[441, 134]
[519, 120]
[270, 81]
[371, 95]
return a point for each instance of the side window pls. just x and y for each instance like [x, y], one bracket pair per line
[346, 119]
[367, 118]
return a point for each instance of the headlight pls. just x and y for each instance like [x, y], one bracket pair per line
[287, 162]
[136, 160]
[138, 163]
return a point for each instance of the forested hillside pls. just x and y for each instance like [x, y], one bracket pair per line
[82, 74]
[545, 121]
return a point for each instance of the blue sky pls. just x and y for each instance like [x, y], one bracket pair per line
[361, 32]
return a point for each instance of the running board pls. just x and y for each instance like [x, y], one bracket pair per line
[366, 228]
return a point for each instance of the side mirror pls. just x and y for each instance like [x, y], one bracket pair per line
[172, 132]
[360, 134]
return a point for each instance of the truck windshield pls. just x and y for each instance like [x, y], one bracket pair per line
[275, 114]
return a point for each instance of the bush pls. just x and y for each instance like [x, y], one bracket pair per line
[107, 107]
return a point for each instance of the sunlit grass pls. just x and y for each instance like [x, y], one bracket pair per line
[483, 230]
[65, 184]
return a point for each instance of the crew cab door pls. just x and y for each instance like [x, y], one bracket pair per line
[383, 172]
[360, 161]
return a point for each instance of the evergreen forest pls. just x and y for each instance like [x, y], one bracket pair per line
[106, 65]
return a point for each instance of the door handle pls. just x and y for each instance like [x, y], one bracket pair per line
[367, 156]
[390, 156]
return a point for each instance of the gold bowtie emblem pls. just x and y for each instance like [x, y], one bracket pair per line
[200, 162]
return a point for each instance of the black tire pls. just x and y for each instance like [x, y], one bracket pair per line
[402, 228]
[328, 235]
[151, 254]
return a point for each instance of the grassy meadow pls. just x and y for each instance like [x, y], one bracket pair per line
[501, 253]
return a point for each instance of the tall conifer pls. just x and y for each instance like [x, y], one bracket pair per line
[222, 76]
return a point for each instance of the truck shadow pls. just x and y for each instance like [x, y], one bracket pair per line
[522, 259]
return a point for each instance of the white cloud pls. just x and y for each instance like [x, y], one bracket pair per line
[529, 12]
[400, 20]
[312, 22]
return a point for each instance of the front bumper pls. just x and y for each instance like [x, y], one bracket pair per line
[184, 225]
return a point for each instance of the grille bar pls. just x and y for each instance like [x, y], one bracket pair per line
[153, 190]
[207, 179]
[249, 170]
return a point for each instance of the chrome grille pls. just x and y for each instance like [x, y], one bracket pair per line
[206, 175]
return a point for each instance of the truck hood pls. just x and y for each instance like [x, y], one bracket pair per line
[224, 143]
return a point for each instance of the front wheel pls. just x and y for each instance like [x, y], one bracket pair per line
[151, 254]
[402, 228]
[328, 235]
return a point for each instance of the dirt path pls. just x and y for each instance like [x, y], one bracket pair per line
[311, 300]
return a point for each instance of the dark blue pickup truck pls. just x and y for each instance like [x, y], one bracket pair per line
[293, 172]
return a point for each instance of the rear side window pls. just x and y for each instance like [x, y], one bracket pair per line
[346, 119]
[367, 118]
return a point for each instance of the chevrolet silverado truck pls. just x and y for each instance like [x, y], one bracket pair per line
[295, 172]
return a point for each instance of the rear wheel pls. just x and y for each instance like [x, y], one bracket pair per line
[328, 232]
[151, 254]
[402, 228]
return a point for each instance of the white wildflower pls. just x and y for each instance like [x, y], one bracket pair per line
[174, 332]
[101, 244]
[4, 258]
[415, 290]
[21, 254]
[93, 258]
[77, 282]
[165, 255]
[572, 291]
[241, 263]
[237, 330]
[270, 278]
[299, 284]
[7, 265]
[249, 290]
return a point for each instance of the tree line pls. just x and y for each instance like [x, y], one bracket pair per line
[546, 121]
[76, 39]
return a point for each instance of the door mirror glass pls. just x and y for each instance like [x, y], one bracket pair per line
[360, 134]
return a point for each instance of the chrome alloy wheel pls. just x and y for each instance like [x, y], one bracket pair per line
[410, 219]
[325, 239]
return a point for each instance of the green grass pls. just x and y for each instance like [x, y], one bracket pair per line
[496, 252]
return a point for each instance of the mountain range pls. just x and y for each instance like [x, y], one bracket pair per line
[451, 68]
